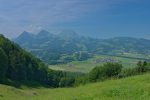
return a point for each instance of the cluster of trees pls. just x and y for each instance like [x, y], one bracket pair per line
[105, 71]
[62, 79]
[100, 73]
[113, 70]
[142, 67]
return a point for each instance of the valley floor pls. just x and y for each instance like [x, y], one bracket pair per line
[131, 88]
[128, 61]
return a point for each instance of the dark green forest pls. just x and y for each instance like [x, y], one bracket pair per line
[18, 65]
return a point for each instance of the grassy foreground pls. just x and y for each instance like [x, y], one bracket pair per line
[131, 88]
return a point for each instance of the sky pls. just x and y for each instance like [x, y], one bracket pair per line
[96, 18]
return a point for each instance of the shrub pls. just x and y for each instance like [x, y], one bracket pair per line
[81, 80]
[142, 67]
[66, 82]
[128, 72]
[105, 71]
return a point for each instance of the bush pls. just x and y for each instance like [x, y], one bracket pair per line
[81, 80]
[128, 72]
[139, 69]
[142, 67]
[105, 71]
[66, 82]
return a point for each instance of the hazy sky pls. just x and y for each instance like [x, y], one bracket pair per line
[98, 18]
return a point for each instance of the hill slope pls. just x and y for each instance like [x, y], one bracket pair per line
[19, 65]
[131, 88]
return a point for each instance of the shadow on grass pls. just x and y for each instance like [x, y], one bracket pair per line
[29, 84]
[1, 96]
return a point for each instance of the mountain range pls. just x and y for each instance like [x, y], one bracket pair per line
[69, 46]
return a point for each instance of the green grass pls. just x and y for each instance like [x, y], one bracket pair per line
[131, 88]
[85, 66]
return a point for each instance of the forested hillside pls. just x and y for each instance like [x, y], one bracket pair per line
[18, 65]
[69, 46]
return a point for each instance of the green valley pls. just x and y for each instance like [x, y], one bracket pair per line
[68, 46]
[74, 50]
[127, 60]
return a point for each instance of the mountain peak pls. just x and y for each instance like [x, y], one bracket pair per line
[68, 34]
[25, 34]
[44, 33]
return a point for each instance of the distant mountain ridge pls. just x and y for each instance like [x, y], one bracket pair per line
[68, 46]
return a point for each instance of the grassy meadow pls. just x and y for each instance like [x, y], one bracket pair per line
[131, 88]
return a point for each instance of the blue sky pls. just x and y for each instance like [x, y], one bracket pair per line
[97, 18]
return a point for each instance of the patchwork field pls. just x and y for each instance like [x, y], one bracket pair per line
[131, 88]
[128, 60]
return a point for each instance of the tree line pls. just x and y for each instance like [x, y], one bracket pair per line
[113, 70]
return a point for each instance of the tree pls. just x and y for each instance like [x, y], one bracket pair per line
[66, 82]
[94, 74]
[105, 71]
[141, 67]
[3, 65]
[112, 69]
